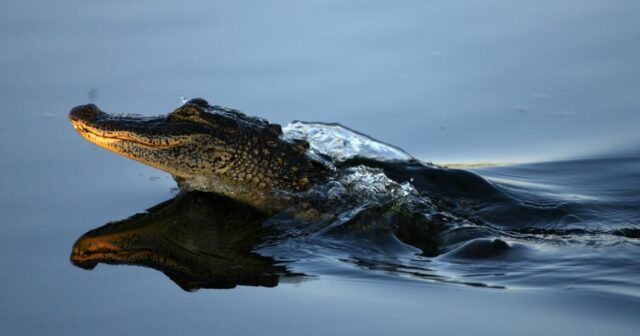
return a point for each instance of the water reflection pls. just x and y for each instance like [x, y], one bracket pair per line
[199, 240]
[456, 228]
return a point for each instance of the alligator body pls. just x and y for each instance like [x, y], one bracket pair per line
[210, 148]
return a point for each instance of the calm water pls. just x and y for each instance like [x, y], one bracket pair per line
[529, 248]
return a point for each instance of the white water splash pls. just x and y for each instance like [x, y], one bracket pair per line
[341, 143]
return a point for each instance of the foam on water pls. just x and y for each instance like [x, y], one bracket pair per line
[341, 143]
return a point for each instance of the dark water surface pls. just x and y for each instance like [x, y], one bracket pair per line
[534, 248]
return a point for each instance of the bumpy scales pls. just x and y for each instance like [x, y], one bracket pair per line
[209, 148]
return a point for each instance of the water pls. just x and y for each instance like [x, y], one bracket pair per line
[530, 248]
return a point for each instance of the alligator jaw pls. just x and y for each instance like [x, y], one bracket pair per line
[107, 131]
[151, 140]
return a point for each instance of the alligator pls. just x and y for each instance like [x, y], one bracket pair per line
[221, 150]
[236, 171]
[211, 149]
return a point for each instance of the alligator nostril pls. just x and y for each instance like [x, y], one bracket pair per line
[84, 112]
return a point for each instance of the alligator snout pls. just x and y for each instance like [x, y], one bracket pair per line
[87, 112]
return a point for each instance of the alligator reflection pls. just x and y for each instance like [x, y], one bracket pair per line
[199, 240]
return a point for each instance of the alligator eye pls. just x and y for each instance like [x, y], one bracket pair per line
[186, 112]
[198, 115]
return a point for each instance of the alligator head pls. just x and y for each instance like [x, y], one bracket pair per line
[208, 148]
